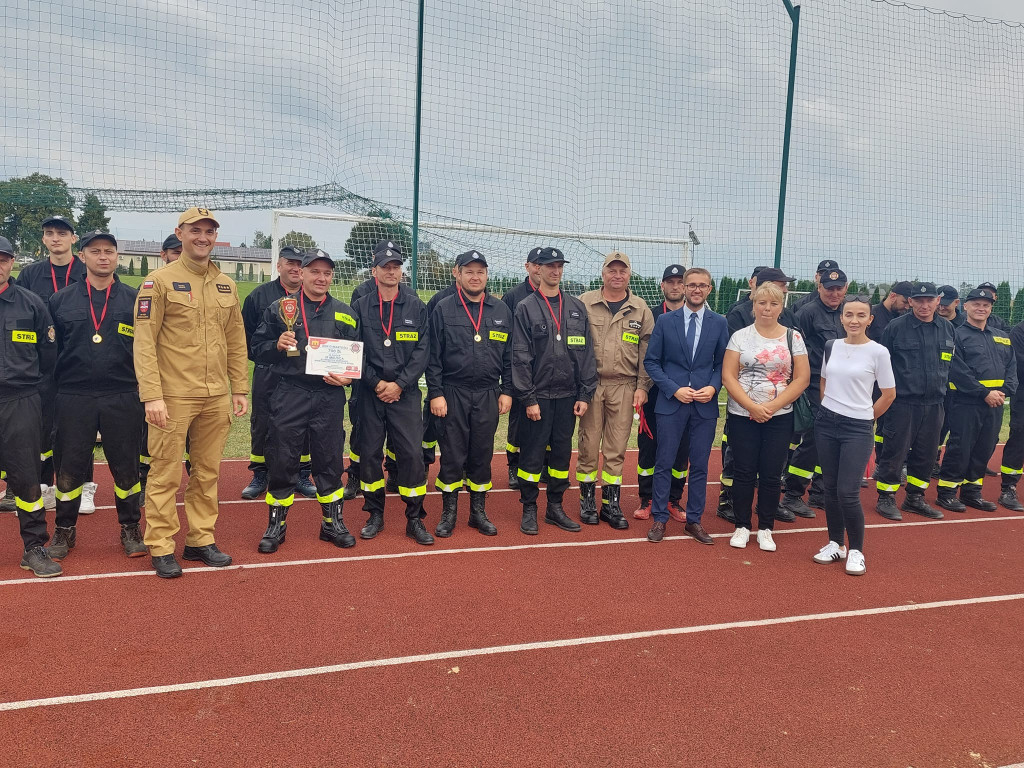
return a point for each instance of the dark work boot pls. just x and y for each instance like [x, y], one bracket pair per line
[513, 469]
[725, 506]
[947, 500]
[529, 523]
[40, 563]
[257, 486]
[332, 526]
[886, 507]
[914, 502]
[63, 541]
[796, 505]
[555, 515]
[478, 513]
[588, 504]
[373, 526]
[391, 486]
[305, 485]
[7, 503]
[1008, 498]
[416, 531]
[449, 513]
[611, 512]
[131, 540]
[352, 481]
[277, 526]
[971, 496]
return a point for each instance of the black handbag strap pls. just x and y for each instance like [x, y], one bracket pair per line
[792, 365]
[828, 350]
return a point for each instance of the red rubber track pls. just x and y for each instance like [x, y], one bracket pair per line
[929, 688]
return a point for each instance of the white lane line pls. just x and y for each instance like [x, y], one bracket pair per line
[492, 651]
[474, 550]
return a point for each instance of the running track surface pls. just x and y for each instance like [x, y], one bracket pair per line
[589, 649]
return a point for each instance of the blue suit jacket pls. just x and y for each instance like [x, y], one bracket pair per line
[668, 360]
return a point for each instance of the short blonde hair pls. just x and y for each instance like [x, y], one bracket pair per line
[770, 291]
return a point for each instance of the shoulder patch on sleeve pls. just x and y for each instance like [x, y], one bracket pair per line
[51, 334]
[145, 307]
[147, 285]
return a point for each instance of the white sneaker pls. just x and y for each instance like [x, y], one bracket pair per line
[88, 505]
[765, 540]
[855, 563]
[830, 553]
[49, 497]
[740, 538]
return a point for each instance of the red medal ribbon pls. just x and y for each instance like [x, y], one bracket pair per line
[643, 428]
[92, 311]
[302, 306]
[480, 314]
[391, 320]
[53, 276]
[557, 321]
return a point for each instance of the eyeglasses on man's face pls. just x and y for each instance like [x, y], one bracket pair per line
[697, 286]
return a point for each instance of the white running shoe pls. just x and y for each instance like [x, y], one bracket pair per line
[49, 497]
[740, 538]
[765, 540]
[88, 505]
[830, 553]
[855, 563]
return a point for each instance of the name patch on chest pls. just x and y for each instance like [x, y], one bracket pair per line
[223, 288]
[25, 337]
[574, 313]
[407, 335]
[498, 336]
[630, 338]
[126, 330]
[185, 287]
[576, 341]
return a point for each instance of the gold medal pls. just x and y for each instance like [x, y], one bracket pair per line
[477, 337]
[97, 339]
[387, 342]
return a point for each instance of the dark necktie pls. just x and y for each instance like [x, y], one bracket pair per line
[691, 335]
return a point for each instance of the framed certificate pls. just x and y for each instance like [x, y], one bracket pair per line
[339, 356]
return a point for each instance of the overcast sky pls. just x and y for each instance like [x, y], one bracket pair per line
[581, 115]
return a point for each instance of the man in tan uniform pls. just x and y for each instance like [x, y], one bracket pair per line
[621, 323]
[190, 360]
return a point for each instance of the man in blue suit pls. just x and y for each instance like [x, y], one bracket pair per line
[684, 359]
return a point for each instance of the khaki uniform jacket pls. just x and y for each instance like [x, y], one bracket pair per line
[189, 334]
[620, 342]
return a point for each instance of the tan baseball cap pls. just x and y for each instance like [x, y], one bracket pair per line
[616, 256]
[192, 215]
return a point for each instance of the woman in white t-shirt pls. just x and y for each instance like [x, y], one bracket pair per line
[843, 429]
[763, 380]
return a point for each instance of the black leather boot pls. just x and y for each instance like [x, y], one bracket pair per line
[611, 512]
[1008, 498]
[972, 498]
[914, 502]
[277, 527]
[555, 515]
[478, 514]
[374, 504]
[416, 531]
[449, 513]
[257, 486]
[529, 523]
[588, 504]
[352, 482]
[948, 500]
[513, 471]
[332, 526]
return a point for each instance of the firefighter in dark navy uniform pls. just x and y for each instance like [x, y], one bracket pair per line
[511, 298]
[306, 410]
[288, 280]
[396, 338]
[469, 380]
[27, 355]
[1013, 452]
[96, 391]
[921, 347]
[982, 376]
[554, 374]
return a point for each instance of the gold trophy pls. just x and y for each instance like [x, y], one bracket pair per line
[289, 313]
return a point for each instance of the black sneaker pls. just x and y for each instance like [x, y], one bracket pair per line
[131, 541]
[257, 486]
[1008, 498]
[40, 563]
[63, 542]
[796, 505]
[305, 486]
[166, 566]
[782, 514]
[975, 501]
[886, 507]
[914, 502]
[208, 555]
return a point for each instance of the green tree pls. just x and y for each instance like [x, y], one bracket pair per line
[853, 288]
[25, 203]
[1002, 305]
[876, 296]
[260, 240]
[94, 215]
[366, 234]
[433, 272]
[252, 273]
[144, 270]
[238, 272]
[1017, 311]
[301, 240]
[131, 268]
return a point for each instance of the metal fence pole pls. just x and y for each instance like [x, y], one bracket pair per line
[794, 14]
[416, 160]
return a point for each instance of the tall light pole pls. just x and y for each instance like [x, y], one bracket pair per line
[794, 14]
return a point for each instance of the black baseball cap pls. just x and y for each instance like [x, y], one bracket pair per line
[772, 275]
[531, 257]
[834, 278]
[469, 257]
[948, 294]
[387, 245]
[97, 235]
[981, 293]
[387, 255]
[61, 221]
[673, 270]
[902, 288]
[293, 253]
[757, 271]
[827, 266]
[317, 255]
[550, 256]
[924, 291]
[171, 241]
[6, 247]
[989, 287]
